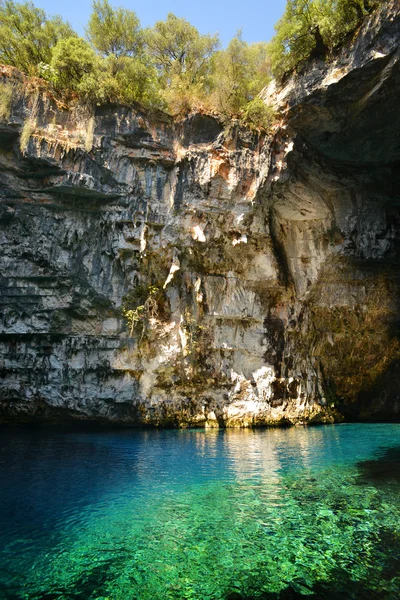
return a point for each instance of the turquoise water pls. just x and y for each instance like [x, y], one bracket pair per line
[280, 513]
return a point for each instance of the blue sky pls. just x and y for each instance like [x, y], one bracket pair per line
[255, 17]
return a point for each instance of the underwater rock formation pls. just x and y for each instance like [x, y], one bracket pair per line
[157, 272]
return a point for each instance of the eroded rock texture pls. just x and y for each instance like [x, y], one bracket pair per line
[164, 273]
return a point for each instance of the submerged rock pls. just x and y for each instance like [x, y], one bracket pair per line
[170, 273]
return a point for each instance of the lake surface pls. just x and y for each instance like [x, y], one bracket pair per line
[125, 515]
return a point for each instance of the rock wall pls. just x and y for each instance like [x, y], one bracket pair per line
[188, 274]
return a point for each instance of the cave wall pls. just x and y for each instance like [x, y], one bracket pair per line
[267, 265]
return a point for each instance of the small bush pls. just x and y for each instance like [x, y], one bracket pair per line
[26, 132]
[144, 312]
[258, 114]
[6, 94]
[73, 59]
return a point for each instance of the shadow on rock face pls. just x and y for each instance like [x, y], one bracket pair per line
[200, 129]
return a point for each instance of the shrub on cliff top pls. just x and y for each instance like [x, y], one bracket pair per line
[170, 66]
[73, 59]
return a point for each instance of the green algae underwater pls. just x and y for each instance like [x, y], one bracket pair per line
[124, 515]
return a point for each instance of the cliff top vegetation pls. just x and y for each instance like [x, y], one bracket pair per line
[171, 66]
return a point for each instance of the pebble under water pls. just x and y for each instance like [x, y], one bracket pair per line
[193, 514]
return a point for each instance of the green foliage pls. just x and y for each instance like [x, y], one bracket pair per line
[133, 317]
[27, 35]
[180, 97]
[118, 77]
[239, 73]
[142, 313]
[312, 28]
[135, 79]
[258, 114]
[171, 65]
[123, 80]
[72, 62]
[114, 31]
[182, 58]
[294, 39]
[26, 132]
[6, 94]
[179, 49]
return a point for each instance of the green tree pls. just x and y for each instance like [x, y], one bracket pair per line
[73, 60]
[239, 73]
[135, 80]
[298, 34]
[127, 74]
[179, 50]
[114, 30]
[312, 28]
[182, 59]
[27, 35]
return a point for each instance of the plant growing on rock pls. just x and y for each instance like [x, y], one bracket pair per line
[126, 72]
[312, 28]
[26, 133]
[179, 49]
[6, 94]
[142, 313]
[193, 330]
[170, 66]
[134, 316]
[258, 114]
[73, 60]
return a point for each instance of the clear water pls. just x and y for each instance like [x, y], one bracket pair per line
[201, 514]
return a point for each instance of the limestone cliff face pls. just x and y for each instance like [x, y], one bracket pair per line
[164, 273]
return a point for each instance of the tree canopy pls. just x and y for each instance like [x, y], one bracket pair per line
[239, 73]
[28, 36]
[73, 59]
[114, 30]
[312, 28]
[182, 57]
[179, 49]
[171, 65]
